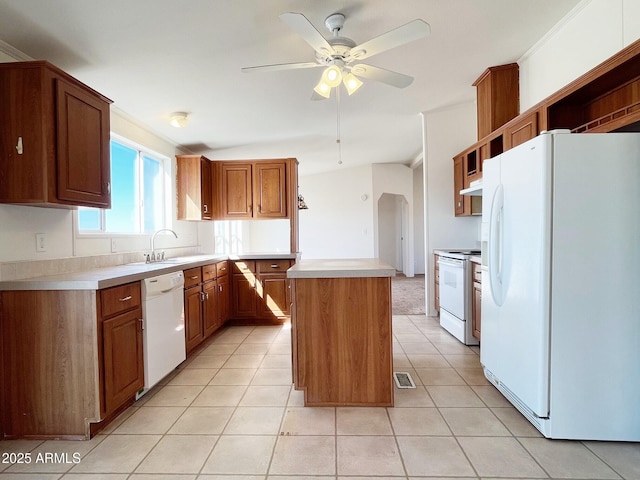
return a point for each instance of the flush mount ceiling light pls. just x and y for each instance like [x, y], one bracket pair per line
[340, 56]
[179, 119]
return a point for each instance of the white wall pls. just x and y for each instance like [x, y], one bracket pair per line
[395, 179]
[338, 223]
[418, 221]
[390, 226]
[446, 133]
[594, 31]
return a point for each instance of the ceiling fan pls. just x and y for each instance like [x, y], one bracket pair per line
[341, 57]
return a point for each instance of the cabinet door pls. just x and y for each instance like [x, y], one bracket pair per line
[23, 176]
[194, 180]
[244, 296]
[123, 359]
[236, 190]
[269, 190]
[210, 320]
[223, 299]
[193, 317]
[275, 298]
[206, 189]
[83, 157]
[458, 184]
[524, 129]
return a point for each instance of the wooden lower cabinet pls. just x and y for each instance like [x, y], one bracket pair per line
[206, 302]
[123, 359]
[245, 296]
[194, 330]
[260, 291]
[210, 317]
[436, 283]
[82, 363]
[276, 296]
[476, 302]
[122, 364]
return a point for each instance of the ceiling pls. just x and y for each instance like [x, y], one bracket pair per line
[154, 57]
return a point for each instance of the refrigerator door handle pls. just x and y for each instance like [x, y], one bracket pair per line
[496, 232]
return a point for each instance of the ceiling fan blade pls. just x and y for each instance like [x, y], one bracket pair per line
[280, 66]
[378, 74]
[394, 38]
[303, 27]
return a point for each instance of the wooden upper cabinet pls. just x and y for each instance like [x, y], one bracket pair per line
[237, 197]
[269, 190]
[498, 97]
[458, 184]
[525, 128]
[254, 190]
[195, 187]
[54, 138]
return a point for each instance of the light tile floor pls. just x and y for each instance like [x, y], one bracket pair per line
[230, 413]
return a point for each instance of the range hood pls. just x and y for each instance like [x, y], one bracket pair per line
[474, 190]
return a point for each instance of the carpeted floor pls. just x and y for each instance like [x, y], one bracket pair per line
[407, 295]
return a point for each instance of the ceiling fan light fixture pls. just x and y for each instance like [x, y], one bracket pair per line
[178, 119]
[323, 89]
[351, 83]
[332, 76]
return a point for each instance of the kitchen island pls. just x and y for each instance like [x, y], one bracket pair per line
[341, 332]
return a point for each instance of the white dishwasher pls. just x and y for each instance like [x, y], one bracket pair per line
[163, 314]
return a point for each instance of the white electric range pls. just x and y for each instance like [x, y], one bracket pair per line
[456, 294]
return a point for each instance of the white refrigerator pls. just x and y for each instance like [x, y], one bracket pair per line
[560, 234]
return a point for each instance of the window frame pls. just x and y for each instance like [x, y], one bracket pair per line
[166, 166]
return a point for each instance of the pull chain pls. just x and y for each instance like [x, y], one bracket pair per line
[338, 125]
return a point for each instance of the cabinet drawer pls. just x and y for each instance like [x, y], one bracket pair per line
[119, 299]
[192, 276]
[222, 268]
[208, 272]
[244, 266]
[267, 266]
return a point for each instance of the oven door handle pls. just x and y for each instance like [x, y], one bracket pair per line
[450, 262]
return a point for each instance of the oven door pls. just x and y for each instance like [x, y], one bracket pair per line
[452, 286]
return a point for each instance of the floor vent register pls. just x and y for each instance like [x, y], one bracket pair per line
[403, 380]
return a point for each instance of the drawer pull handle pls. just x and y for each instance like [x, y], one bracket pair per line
[194, 277]
[275, 265]
[222, 269]
[125, 299]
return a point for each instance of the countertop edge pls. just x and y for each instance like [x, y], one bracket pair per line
[341, 268]
[106, 277]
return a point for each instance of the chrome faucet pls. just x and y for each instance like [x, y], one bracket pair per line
[153, 257]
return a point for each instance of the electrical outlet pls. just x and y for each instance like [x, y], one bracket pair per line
[41, 242]
[114, 245]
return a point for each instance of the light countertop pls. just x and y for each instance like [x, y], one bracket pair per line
[338, 268]
[117, 275]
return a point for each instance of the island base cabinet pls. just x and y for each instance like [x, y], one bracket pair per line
[342, 352]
